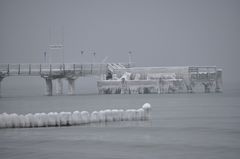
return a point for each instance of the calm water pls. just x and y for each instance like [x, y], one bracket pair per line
[183, 126]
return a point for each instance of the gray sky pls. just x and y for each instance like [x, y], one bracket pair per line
[158, 32]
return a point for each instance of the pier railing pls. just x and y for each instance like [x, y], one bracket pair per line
[40, 69]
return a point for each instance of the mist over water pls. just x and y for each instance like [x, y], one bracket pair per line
[158, 33]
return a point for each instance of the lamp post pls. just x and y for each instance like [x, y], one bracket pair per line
[94, 55]
[45, 56]
[82, 52]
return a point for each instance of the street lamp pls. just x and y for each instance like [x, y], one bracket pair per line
[94, 55]
[82, 52]
[45, 56]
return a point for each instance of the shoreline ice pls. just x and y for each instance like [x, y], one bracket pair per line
[52, 119]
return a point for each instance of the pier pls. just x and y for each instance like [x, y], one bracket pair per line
[57, 72]
[120, 78]
[159, 80]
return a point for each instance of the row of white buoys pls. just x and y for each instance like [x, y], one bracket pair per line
[75, 118]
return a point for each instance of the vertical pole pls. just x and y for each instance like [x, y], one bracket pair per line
[159, 88]
[45, 57]
[59, 86]
[49, 49]
[0, 88]
[29, 69]
[64, 69]
[48, 86]
[8, 69]
[50, 69]
[218, 81]
[94, 55]
[74, 68]
[206, 87]
[71, 86]
[197, 74]
[40, 69]
[91, 68]
[19, 69]
[1, 78]
[82, 55]
[81, 70]
[63, 45]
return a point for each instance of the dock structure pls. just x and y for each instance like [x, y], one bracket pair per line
[57, 72]
[121, 78]
[144, 80]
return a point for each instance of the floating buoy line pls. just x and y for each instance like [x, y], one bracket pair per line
[52, 119]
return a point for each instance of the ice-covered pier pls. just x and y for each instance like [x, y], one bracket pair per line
[119, 78]
[140, 80]
[57, 72]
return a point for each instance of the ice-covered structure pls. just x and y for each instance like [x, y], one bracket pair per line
[140, 80]
[121, 78]
[75, 118]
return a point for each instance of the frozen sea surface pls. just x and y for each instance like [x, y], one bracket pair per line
[183, 126]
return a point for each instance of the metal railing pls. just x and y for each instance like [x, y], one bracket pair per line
[203, 73]
[40, 69]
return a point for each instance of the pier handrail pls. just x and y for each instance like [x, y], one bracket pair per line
[38, 69]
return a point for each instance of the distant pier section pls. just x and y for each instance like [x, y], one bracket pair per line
[120, 78]
[159, 80]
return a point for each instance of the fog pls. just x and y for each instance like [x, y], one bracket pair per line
[157, 32]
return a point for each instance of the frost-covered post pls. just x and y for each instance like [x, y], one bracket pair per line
[206, 87]
[71, 86]
[218, 81]
[59, 86]
[49, 86]
[1, 78]
[123, 86]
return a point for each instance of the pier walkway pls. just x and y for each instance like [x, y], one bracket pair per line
[119, 76]
[58, 72]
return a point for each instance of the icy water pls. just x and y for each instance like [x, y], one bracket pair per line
[186, 126]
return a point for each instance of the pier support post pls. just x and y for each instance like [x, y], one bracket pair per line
[124, 89]
[206, 87]
[71, 86]
[218, 81]
[59, 86]
[49, 86]
[1, 78]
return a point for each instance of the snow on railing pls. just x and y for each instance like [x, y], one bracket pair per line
[76, 118]
[46, 68]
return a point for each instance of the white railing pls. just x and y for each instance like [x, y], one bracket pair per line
[39, 69]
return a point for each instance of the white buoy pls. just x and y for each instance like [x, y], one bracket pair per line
[51, 119]
[146, 107]
[75, 118]
[85, 117]
[95, 117]
[108, 115]
[102, 116]
[116, 115]
[140, 114]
